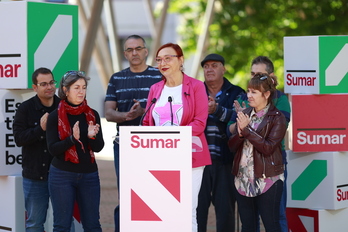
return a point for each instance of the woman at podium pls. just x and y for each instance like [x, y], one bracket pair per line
[180, 100]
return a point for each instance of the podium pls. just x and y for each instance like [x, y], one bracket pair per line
[155, 178]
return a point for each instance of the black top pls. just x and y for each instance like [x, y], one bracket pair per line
[29, 135]
[58, 147]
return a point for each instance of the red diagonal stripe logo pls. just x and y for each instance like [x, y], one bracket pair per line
[140, 210]
[170, 180]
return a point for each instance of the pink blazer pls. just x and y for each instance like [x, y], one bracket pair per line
[195, 114]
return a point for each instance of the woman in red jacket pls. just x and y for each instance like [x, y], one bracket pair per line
[180, 101]
[257, 165]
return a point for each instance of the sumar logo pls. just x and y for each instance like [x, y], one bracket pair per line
[300, 80]
[314, 139]
[9, 70]
[138, 142]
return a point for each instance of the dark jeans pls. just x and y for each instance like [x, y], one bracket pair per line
[66, 188]
[117, 170]
[217, 188]
[36, 198]
[266, 204]
[282, 216]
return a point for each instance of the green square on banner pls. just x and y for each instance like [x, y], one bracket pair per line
[333, 64]
[52, 34]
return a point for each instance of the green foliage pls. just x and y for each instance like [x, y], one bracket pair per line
[244, 29]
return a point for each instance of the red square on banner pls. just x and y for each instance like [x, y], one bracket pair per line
[319, 122]
[302, 220]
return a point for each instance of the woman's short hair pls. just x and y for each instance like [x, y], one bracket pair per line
[176, 47]
[68, 80]
[264, 82]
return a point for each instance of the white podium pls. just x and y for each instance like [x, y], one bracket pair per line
[155, 178]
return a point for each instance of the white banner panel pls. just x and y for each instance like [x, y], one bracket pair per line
[27, 42]
[315, 64]
[13, 45]
[301, 55]
[317, 180]
[12, 213]
[10, 154]
[155, 179]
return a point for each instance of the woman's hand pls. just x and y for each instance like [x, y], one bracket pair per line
[93, 130]
[76, 131]
[243, 121]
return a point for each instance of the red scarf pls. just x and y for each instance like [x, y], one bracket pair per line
[65, 130]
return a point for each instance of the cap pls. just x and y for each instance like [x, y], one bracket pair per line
[213, 57]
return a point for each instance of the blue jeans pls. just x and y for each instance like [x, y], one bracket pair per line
[66, 188]
[36, 198]
[117, 170]
[267, 204]
[217, 188]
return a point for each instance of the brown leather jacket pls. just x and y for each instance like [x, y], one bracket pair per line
[266, 141]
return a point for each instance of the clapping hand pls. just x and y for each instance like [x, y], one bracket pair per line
[135, 111]
[238, 107]
[211, 105]
[76, 130]
[93, 130]
[43, 121]
[243, 121]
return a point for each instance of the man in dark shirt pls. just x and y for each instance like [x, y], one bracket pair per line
[29, 130]
[127, 92]
[217, 178]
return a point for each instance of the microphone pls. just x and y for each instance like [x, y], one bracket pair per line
[153, 101]
[171, 109]
[186, 94]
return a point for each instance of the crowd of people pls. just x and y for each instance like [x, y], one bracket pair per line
[242, 161]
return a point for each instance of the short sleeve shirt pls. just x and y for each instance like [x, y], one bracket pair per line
[124, 86]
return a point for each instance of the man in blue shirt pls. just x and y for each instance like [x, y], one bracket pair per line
[127, 92]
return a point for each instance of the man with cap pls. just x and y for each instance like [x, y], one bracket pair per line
[217, 182]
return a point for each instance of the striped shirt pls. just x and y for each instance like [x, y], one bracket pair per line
[124, 86]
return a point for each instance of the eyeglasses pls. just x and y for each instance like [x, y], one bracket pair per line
[137, 49]
[76, 73]
[213, 65]
[45, 84]
[166, 59]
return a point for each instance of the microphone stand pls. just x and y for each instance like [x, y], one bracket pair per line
[153, 101]
[170, 99]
